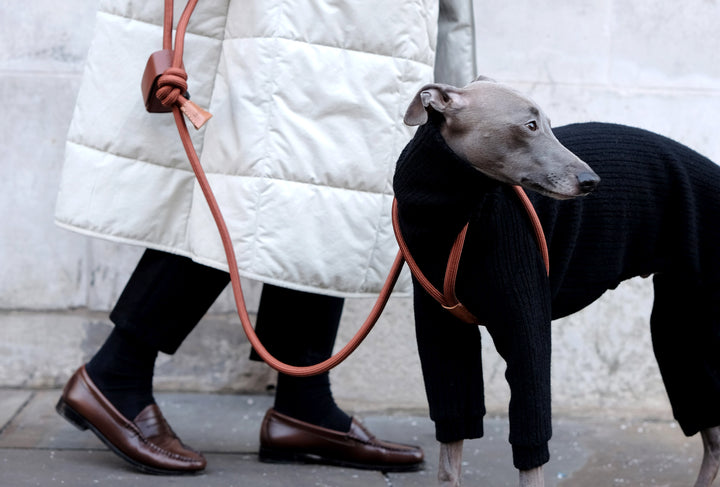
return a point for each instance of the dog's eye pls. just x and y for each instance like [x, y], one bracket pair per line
[532, 125]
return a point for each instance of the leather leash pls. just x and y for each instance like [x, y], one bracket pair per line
[164, 81]
[164, 89]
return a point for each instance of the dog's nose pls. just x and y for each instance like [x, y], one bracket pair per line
[588, 181]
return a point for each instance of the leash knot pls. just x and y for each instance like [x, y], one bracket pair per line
[172, 91]
[172, 84]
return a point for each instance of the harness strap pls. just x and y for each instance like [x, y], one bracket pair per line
[447, 298]
[537, 226]
[165, 80]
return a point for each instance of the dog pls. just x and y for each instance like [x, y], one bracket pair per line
[615, 202]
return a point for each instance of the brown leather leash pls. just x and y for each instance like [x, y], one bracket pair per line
[164, 88]
[165, 81]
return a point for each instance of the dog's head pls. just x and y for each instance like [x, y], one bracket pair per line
[504, 135]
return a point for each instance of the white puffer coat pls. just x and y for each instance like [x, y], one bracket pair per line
[307, 98]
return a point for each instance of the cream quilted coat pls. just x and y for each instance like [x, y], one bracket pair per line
[308, 98]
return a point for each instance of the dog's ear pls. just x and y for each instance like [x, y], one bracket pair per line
[434, 96]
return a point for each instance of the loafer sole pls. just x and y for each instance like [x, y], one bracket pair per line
[269, 455]
[79, 421]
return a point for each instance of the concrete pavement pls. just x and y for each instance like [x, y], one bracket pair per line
[39, 448]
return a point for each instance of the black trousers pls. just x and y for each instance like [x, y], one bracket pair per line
[167, 295]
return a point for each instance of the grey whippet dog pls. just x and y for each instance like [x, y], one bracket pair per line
[507, 138]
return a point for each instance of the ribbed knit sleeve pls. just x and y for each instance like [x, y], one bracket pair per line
[503, 280]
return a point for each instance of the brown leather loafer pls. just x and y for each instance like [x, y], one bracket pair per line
[285, 439]
[147, 443]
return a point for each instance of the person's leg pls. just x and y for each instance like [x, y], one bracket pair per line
[112, 394]
[163, 300]
[306, 425]
[299, 328]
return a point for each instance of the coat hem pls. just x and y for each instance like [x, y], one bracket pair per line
[223, 266]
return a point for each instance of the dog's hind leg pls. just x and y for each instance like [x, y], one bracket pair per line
[686, 339]
[711, 457]
[450, 466]
[532, 478]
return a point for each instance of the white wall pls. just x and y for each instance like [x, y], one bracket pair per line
[645, 63]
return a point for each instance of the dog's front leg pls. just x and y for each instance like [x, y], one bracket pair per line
[450, 466]
[711, 457]
[532, 478]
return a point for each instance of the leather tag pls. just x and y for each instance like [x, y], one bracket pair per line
[194, 113]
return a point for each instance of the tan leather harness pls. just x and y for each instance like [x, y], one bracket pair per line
[447, 298]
